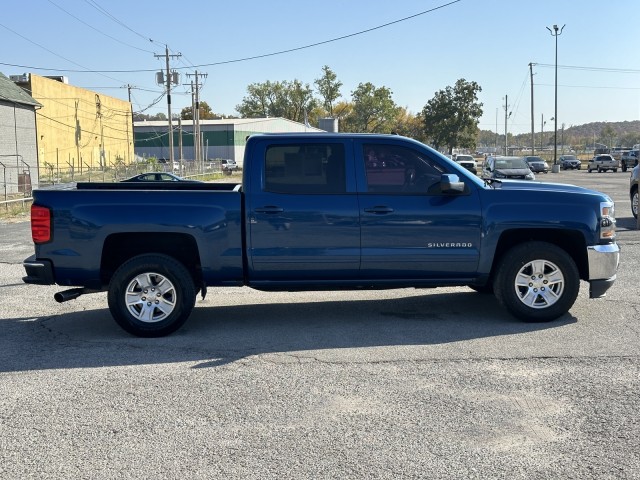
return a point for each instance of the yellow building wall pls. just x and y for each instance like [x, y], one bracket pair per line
[79, 129]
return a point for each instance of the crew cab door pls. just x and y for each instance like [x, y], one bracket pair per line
[302, 211]
[410, 228]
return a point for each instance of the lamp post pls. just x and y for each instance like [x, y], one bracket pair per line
[556, 168]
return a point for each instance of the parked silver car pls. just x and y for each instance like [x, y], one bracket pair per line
[537, 164]
[602, 163]
[513, 168]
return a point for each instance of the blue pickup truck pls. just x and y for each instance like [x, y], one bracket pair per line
[320, 212]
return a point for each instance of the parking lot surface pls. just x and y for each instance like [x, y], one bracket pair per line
[407, 383]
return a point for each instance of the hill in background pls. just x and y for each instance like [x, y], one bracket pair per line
[612, 134]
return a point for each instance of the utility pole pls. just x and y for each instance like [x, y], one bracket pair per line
[506, 108]
[129, 87]
[556, 168]
[193, 122]
[180, 140]
[169, 80]
[195, 109]
[532, 129]
[542, 122]
[197, 119]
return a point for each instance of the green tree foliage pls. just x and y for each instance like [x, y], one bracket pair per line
[374, 111]
[205, 112]
[408, 125]
[329, 88]
[139, 117]
[278, 99]
[451, 117]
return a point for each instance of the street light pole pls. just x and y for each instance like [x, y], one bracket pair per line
[555, 33]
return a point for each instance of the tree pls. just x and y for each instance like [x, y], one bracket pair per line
[329, 88]
[205, 112]
[374, 111]
[607, 134]
[408, 124]
[139, 117]
[291, 100]
[451, 117]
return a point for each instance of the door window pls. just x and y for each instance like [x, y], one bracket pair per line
[305, 169]
[391, 168]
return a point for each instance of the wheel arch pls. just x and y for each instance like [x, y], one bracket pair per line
[120, 247]
[571, 241]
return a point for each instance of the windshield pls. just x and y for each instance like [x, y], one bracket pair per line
[510, 163]
[464, 158]
[533, 159]
[569, 157]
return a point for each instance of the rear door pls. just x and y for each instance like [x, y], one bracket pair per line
[302, 211]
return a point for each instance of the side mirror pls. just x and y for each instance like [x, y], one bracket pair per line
[450, 183]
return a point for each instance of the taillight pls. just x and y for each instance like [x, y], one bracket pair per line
[40, 224]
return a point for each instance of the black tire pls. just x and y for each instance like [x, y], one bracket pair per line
[615, 170]
[634, 202]
[537, 281]
[166, 302]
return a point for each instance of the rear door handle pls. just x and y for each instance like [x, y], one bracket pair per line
[379, 210]
[269, 209]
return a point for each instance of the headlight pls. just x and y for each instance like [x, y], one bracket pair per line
[607, 221]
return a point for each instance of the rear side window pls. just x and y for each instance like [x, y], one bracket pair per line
[305, 169]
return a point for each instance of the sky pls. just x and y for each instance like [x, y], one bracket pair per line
[413, 47]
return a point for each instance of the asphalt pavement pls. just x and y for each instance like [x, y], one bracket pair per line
[438, 383]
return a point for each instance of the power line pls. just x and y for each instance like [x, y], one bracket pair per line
[254, 57]
[97, 30]
[57, 55]
[589, 86]
[592, 69]
[95, 5]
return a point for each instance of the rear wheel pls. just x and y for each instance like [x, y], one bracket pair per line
[537, 281]
[634, 203]
[151, 295]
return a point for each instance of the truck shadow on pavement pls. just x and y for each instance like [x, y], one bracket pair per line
[219, 335]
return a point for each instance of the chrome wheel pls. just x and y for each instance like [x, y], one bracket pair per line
[539, 284]
[634, 204]
[150, 297]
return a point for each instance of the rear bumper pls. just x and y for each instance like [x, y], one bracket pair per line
[39, 272]
[603, 265]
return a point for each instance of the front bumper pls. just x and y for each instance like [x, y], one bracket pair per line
[39, 272]
[603, 265]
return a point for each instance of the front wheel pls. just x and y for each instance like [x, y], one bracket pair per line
[634, 203]
[151, 295]
[537, 281]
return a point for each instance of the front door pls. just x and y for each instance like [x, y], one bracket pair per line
[410, 228]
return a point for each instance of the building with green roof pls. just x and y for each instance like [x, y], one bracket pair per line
[220, 138]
